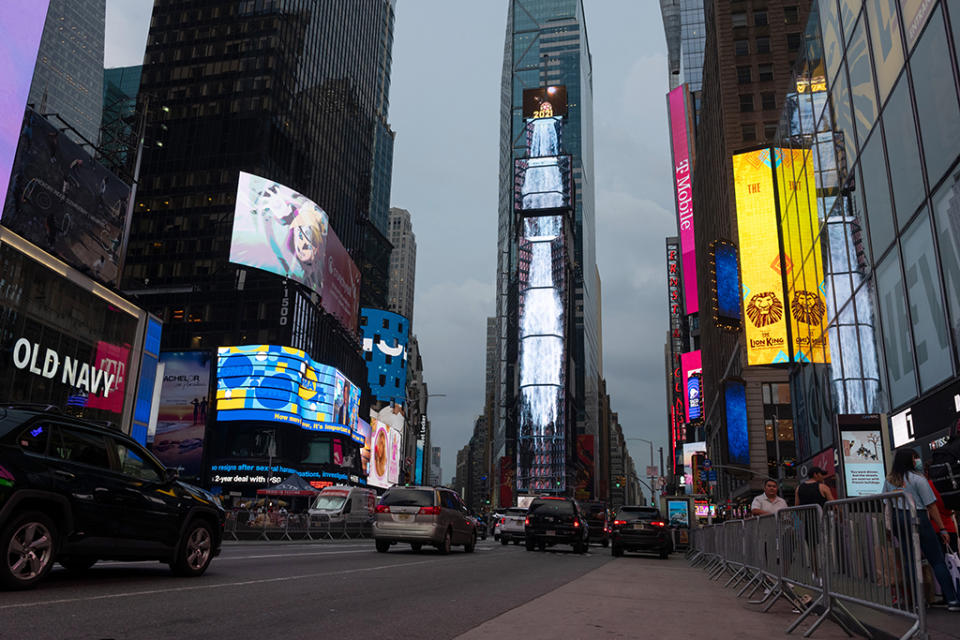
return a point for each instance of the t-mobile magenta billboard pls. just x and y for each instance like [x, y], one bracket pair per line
[683, 182]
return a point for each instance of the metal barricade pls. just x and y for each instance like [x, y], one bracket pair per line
[872, 555]
[800, 532]
[296, 527]
[768, 560]
[230, 526]
[734, 551]
[752, 557]
[318, 527]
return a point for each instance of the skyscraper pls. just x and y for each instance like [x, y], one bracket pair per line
[686, 35]
[118, 130]
[546, 47]
[68, 78]
[403, 263]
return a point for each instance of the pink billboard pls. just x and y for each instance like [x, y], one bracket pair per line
[683, 183]
[340, 294]
[692, 366]
[113, 359]
[21, 24]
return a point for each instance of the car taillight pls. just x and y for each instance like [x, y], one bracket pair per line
[382, 508]
[429, 511]
[576, 524]
[526, 522]
[657, 523]
[619, 523]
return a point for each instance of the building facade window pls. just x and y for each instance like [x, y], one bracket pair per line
[743, 75]
[763, 44]
[748, 132]
[768, 100]
[765, 72]
[746, 102]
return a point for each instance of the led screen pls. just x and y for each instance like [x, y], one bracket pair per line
[738, 444]
[691, 363]
[113, 359]
[21, 24]
[270, 383]
[284, 232]
[182, 410]
[863, 464]
[365, 431]
[763, 304]
[805, 284]
[679, 513]
[380, 455]
[701, 508]
[690, 449]
[387, 426]
[385, 337]
[545, 102]
[726, 285]
[683, 189]
[65, 202]
[542, 183]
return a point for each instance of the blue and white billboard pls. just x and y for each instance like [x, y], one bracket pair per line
[271, 383]
[738, 442]
[385, 336]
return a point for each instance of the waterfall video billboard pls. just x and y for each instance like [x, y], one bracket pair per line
[677, 101]
[545, 102]
[543, 183]
[270, 383]
[281, 231]
[385, 335]
[21, 25]
[65, 202]
[762, 296]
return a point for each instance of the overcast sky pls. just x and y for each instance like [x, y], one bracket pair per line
[445, 174]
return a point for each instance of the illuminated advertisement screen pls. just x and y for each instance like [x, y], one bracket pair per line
[182, 410]
[863, 463]
[683, 190]
[65, 202]
[385, 337]
[380, 455]
[690, 449]
[387, 426]
[805, 283]
[113, 359]
[545, 102]
[418, 473]
[726, 285]
[735, 403]
[764, 319]
[365, 431]
[270, 383]
[691, 363]
[701, 508]
[281, 231]
[21, 25]
[543, 183]
[678, 513]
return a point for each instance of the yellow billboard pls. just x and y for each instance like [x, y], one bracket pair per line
[763, 305]
[804, 270]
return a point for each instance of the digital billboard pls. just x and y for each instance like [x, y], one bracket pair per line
[270, 383]
[182, 410]
[690, 449]
[735, 404]
[365, 431]
[691, 363]
[863, 464]
[21, 25]
[281, 231]
[385, 336]
[113, 359]
[677, 102]
[725, 285]
[545, 102]
[380, 454]
[804, 269]
[763, 305]
[65, 202]
[543, 183]
[678, 513]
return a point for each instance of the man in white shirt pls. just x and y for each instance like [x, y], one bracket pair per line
[768, 502]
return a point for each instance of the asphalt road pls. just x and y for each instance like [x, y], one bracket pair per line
[285, 591]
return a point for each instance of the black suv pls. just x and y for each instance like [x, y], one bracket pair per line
[640, 528]
[73, 492]
[553, 521]
[598, 519]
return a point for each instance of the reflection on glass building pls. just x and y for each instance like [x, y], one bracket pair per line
[876, 112]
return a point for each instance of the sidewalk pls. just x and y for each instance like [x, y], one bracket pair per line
[641, 597]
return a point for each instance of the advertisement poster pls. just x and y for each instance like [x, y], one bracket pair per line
[763, 305]
[683, 182]
[545, 102]
[63, 201]
[385, 336]
[863, 464]
[725, 273]
[281, 231]
[364, 431]
[735, 406]
[678, 513]
[689, 449]
[805, 283]
[113, 359]
[692, 365]
[271, 383]
[418, 473]
[21, 25]
[377, 471]
[182, 412]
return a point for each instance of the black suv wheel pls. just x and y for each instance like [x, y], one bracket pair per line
[195, 550]
[28, 543]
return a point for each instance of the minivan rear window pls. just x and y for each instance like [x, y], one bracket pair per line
[549, 507]
[407, 498]
[638, 513]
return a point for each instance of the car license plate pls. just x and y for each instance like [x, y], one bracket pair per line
[638, 527]
[551, 533]
[403, 516]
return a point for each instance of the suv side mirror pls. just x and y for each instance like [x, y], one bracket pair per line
[170, 474]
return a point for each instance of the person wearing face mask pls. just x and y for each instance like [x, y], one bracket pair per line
[906, 475]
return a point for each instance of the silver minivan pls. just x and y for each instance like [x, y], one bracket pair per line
[423, 515]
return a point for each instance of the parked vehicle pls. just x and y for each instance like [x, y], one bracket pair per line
[511, 525]
[75, 492]
[423, 515]
[352, 506]
[497, 521]
[640, 528]
[551, 521]
[598, 518]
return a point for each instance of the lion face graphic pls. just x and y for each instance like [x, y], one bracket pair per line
[764, 309]
[807, 307]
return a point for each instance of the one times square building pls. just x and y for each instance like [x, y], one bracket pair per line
[293, 91]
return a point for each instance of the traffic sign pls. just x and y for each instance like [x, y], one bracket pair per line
[706, 463]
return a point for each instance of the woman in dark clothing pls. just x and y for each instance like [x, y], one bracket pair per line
[813, 490]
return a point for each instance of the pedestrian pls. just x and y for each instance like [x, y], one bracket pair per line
[946, 515]
[906, 476]
[813, 490]
[768, 502]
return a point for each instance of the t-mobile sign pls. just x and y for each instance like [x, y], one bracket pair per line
[683, 181]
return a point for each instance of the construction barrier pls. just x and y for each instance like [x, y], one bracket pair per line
[271, 527]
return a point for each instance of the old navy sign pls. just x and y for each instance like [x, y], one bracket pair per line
[72, 372]
[683, 182]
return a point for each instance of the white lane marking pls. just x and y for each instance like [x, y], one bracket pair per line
[221, 585]
[223, 558]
